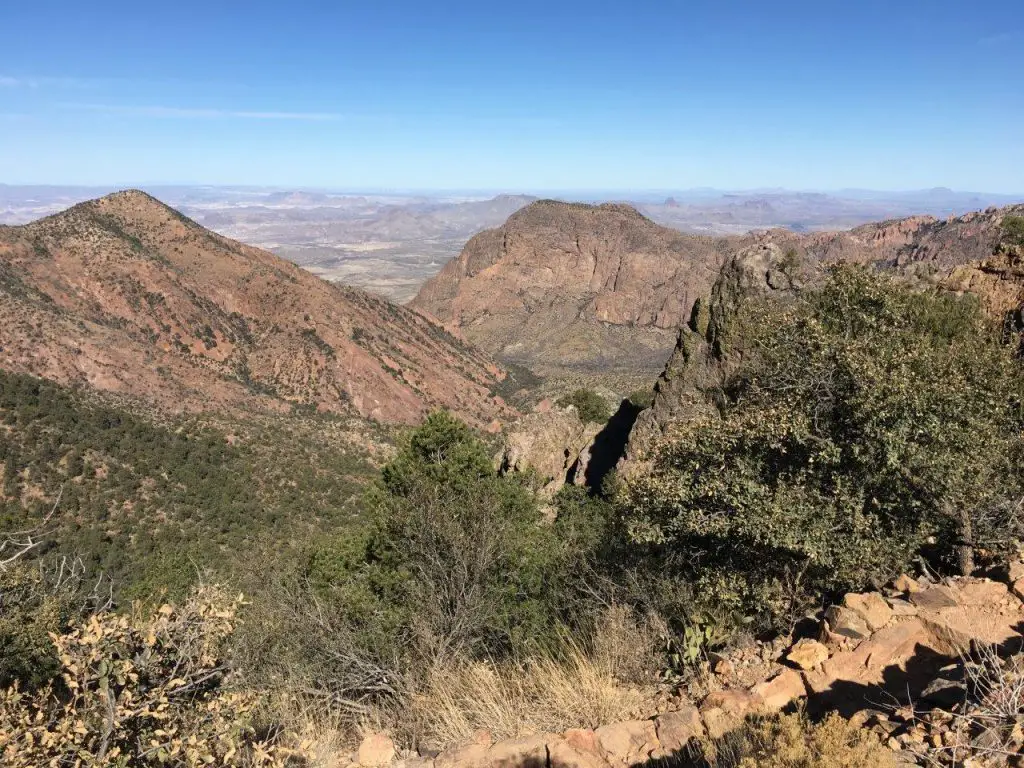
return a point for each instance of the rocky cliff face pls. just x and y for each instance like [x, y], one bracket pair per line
[549, 442]
[960, 254]
[710, 345]
[570, 285]
[126, 295]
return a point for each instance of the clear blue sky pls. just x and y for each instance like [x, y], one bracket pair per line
[522, 95]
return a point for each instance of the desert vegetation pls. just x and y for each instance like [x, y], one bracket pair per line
[868, 428]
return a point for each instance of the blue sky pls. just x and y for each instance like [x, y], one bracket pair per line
[519, 96]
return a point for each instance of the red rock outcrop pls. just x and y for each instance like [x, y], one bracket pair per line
[570, 286]
[565, 284]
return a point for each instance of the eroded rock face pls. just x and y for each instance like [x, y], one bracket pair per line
[127, 295]
[571, 285]
[709, 347]
[549, 442]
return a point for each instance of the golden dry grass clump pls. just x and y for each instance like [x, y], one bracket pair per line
[793, 741]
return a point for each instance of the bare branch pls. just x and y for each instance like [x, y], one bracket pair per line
[16, 544]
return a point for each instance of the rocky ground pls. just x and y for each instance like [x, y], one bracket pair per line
[933, 668]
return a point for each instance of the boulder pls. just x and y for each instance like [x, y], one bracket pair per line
[906, 584]
[934, 598]
[563, 755]
[807, 654]
[462, 757]
[891, 647]
[1018, 589]
[736, 701]
[846, 622]
[902, 607]
[633, 741]
[376, 749]
[677, 729]
[526, 752]
[871, 607]
[719, 722]
[777, 693]
[583, 740]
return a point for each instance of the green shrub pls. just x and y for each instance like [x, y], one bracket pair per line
[148, 501]
[28, 613]
[454, 561]
[140, 691]
[642, 398]
[872, 419]
[1013, 230]
[591, 406]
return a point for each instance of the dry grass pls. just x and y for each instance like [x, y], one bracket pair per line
[576, 687]
[793, 741]
[988, 727]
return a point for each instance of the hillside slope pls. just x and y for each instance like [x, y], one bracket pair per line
[127, 295]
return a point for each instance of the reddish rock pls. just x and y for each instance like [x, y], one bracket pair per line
[777, 693]
[848, 623]
[906, 584]
[934, 598]
[871, 607]
[807, 654]
[736, 701]
[629, 742]
[891, 647]
[377, 749]
[677, 729]
[462, 757]
[525, 752]
[719, 722]
[1018, 588]
[562, 755]
[583, 740]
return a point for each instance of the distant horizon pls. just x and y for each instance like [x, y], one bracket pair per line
[498, 190]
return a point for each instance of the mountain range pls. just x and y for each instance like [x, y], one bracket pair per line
[566, 286]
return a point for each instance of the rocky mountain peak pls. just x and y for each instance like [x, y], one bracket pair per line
[574, 284]
[125, 294]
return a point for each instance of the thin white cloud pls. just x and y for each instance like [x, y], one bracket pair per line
[1002, 38]
[32, 81]
[207, 114]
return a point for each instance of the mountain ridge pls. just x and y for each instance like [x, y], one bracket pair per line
[126, 294]
[576, 286]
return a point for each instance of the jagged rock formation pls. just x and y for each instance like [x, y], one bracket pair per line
[571, 285]
[955, 254]
[597, 287]
[549, 442]
[997, 281]
[124, 294]
[710, 346]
